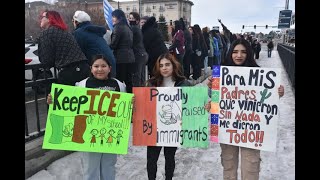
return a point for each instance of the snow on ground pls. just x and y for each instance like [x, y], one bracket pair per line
[197, 163]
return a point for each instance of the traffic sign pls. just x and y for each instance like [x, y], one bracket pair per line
[284, 19]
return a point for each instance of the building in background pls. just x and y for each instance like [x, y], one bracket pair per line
[171, 9]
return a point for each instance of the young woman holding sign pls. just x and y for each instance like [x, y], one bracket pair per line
[240, 54]
[167, 73]
[99, 165]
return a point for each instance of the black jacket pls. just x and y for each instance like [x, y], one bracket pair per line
[270, 45]
[58, 48]
[122, 43]
[153, 41]
[139, 51]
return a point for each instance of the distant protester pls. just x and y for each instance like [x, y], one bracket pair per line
[270, 48]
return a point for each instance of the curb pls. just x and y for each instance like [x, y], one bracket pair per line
[37, 159]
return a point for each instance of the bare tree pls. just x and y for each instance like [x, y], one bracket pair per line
[32, 21]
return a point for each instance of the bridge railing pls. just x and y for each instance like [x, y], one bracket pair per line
[40, 87]
[287, 55]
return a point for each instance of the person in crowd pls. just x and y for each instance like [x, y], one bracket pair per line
[99, 165]
[270, 48]
[167, 73]
[58, 48]
[140, 54]
[228, 35]
[178, 42]
[203, 45]
[188, 49]
[221, 42]
[190, 29]
[257, 49]
[205, 33]
[240, 54]
[90, 38]
[153, 42]
[122, 45]
[211, 50]
[143, 20]
[196, 55]
[107, 35]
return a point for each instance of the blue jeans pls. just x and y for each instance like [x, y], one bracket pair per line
[205, 63]
[99, 165]
[269, 52]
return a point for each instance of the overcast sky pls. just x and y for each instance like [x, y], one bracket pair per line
[235, 13]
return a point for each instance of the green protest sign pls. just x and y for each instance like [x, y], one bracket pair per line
[195, 118]
[86, 119]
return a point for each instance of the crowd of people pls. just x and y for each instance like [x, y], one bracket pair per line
[134, 54]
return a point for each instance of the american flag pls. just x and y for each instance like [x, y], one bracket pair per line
[107, 10]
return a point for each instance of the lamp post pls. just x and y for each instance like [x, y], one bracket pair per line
[139, 6]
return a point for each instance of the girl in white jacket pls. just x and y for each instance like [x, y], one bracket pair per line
[99, 165]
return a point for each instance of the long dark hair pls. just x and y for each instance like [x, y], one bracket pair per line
[249, 62]
[101, 56]
[157, 78]
[119, 14]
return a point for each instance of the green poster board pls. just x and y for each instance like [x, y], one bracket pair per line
[195, 118]
[90, 120]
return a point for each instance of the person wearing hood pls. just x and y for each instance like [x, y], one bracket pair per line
[90, 38]
[153, 42]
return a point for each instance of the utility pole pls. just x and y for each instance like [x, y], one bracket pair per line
[284, 30]
[287, 4]
[118, 5]
[139, 1]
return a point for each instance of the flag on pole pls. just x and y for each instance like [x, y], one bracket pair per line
[107, 10]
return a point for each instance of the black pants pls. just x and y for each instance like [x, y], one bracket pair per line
[196, 66]
[138, 71]
[186, 64]
[257, 54]
[210, 62]
[153, 153]
[138, 74]
[124, 74]
[73, 73]
[269, 52]
[180, 59]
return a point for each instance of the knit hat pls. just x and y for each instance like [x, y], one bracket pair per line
[81, 16]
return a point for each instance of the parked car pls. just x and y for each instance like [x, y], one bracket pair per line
[31, 57]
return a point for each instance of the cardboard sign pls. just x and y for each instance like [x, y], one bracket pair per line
[245, 106]
[86, 119]
[170, 116]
